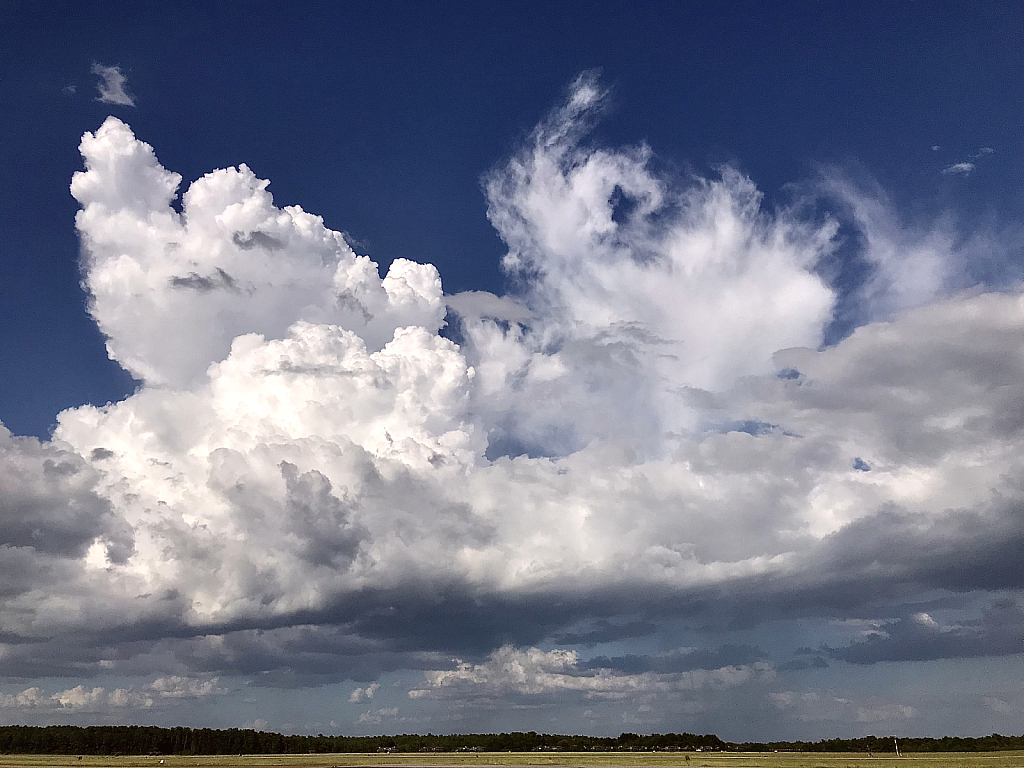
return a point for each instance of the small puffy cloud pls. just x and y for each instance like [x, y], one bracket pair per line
[959, 169]
[121, 698]
[924, 619]
[30, 698]
[181, 687]
[364, 694]
[98, 699]
[81, 697]
[968, 166]
[111, 86]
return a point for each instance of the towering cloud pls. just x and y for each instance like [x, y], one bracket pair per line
[172, 290]
[651, 414]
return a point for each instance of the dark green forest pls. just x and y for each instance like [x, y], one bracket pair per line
[150, 740]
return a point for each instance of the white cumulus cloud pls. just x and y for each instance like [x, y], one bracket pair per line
[30, 698]
[183, 687]
[364, 694]
[959, 169]
[652, 414]
[533, 672]
[230, 264]
[83, 698]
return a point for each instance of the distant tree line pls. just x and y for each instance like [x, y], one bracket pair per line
[144, 740]
[151, 740]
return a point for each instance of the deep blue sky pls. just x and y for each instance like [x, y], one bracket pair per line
[382, 117]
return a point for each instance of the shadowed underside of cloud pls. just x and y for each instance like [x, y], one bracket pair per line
[313, 483]
[919, 637]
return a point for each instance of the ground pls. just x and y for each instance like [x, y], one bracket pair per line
[656, 760]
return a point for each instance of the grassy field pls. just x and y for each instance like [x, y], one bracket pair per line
[655, 760]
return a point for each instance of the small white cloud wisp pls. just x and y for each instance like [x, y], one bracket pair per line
[112, 86]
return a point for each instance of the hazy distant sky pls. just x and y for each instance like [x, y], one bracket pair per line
[539, 366]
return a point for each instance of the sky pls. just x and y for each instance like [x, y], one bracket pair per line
[401, 367]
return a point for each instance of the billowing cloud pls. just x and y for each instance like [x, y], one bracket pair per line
[230, 264]
[364, 694]
[30, 698]
[97, 699]
[182, 687]
[112, 86]
[50, 504]
[313, 484]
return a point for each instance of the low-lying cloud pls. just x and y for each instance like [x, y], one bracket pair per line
[97, 699]
[532, 672]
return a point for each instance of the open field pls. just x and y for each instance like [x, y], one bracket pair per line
[538, 760]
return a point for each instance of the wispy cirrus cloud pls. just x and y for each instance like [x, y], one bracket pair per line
[968, 166]
[959, 169]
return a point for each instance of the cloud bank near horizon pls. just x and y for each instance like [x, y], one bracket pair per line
[314, 483]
